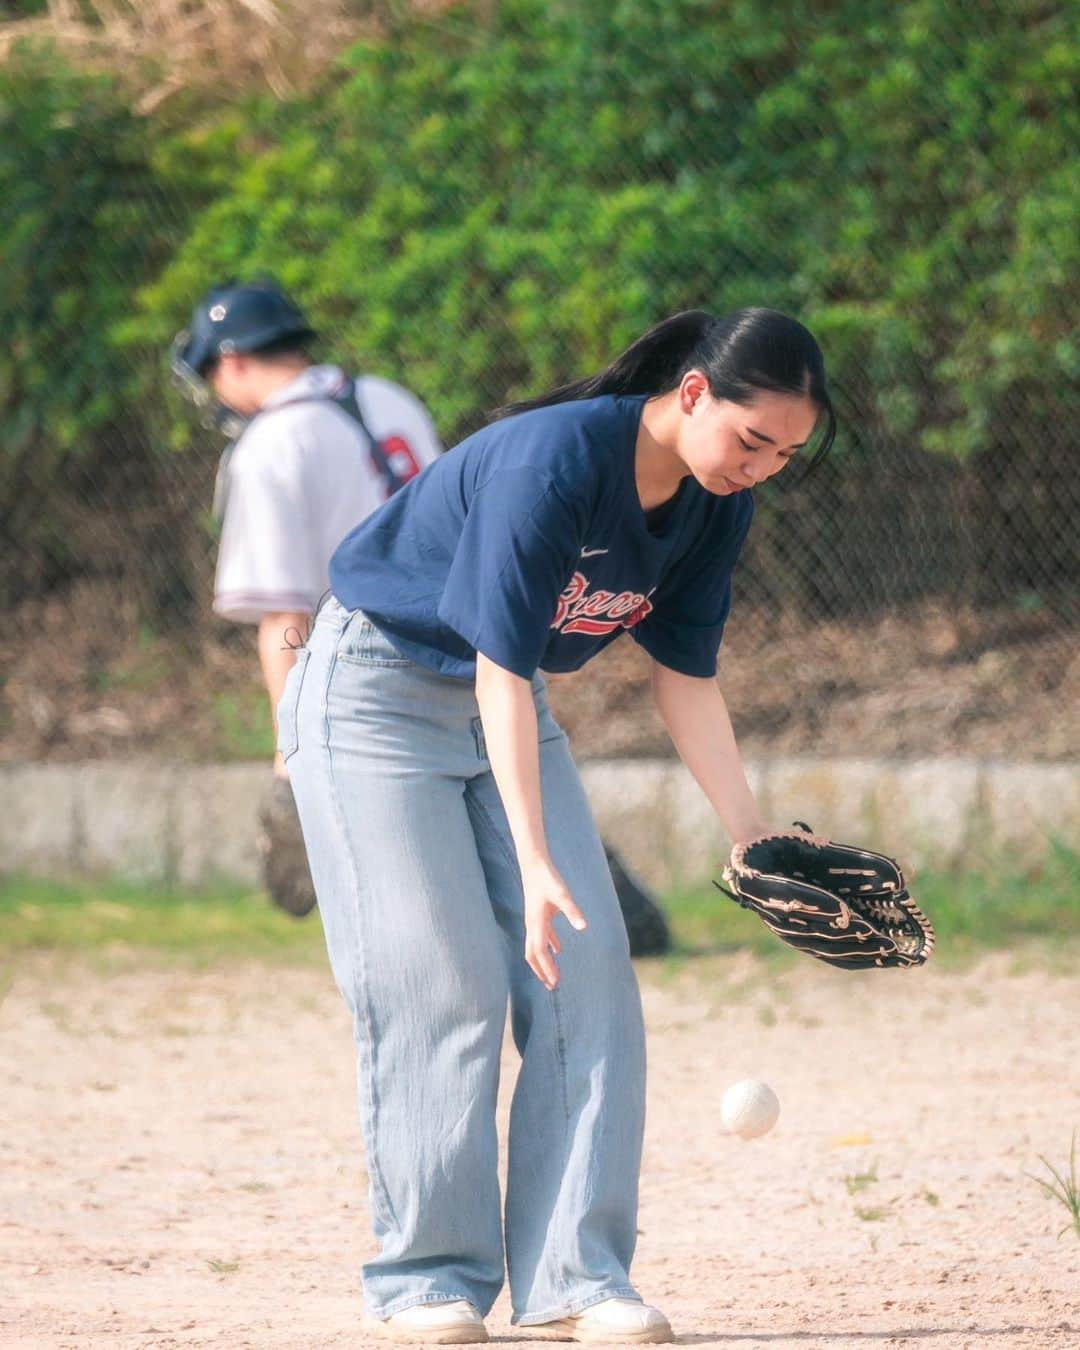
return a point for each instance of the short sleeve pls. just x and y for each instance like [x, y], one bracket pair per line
[267, 557]
[691, 604]
[515, 553]
[428, 447]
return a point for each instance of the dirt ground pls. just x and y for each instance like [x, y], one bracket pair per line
[180, 1161]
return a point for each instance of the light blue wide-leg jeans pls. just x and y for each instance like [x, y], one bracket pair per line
[421, 902]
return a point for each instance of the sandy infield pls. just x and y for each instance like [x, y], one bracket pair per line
[180, 1161]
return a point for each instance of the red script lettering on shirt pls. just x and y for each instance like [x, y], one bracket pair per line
[601, 612]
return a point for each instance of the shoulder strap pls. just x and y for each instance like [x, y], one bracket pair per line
[348, 400]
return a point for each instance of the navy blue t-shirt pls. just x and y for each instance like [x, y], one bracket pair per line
[528, 542]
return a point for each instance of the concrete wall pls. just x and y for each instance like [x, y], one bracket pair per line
[195, 823]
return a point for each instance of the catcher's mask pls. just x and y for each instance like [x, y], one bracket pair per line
[230, 318]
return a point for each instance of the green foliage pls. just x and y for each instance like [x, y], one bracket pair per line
[494, 203]
[77, 235]
[81, 227]
[488, 201]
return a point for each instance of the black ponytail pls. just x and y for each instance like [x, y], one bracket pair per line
[739, 354]
[653, 364]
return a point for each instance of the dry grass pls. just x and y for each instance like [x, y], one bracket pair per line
[84, 677]
[162, 47]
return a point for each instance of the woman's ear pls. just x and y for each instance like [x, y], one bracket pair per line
[691, 388]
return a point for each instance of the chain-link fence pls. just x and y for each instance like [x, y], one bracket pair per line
[482, 199]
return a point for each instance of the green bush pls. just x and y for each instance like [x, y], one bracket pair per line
[491, 200]
[81, 229]
[78, 234]
[497, 201]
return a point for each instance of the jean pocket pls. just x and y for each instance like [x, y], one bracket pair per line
[363, 644]
[288, 735]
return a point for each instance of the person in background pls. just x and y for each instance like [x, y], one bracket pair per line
[312, 452]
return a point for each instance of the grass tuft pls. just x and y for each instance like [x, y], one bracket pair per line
[1064, 1187]
[859, 1181]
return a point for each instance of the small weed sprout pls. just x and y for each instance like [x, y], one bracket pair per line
[859, 1181]
[1064, 1187]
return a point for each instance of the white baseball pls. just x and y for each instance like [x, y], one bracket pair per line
[749, 1108]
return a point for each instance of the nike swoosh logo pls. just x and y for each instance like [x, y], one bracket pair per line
[592, 552]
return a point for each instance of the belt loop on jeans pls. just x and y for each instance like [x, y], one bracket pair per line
[332, 614]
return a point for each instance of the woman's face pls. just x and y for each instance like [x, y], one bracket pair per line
[732, 446]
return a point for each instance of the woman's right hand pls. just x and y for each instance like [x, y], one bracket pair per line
[546, 895]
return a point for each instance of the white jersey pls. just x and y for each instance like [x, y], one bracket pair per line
[299, 478]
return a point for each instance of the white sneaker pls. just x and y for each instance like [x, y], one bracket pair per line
[615, 1320]
[456, 1323]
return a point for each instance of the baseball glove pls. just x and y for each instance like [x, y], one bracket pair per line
[846, 906]
[282, 853]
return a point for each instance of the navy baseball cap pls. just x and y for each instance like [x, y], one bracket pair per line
[236, 317]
